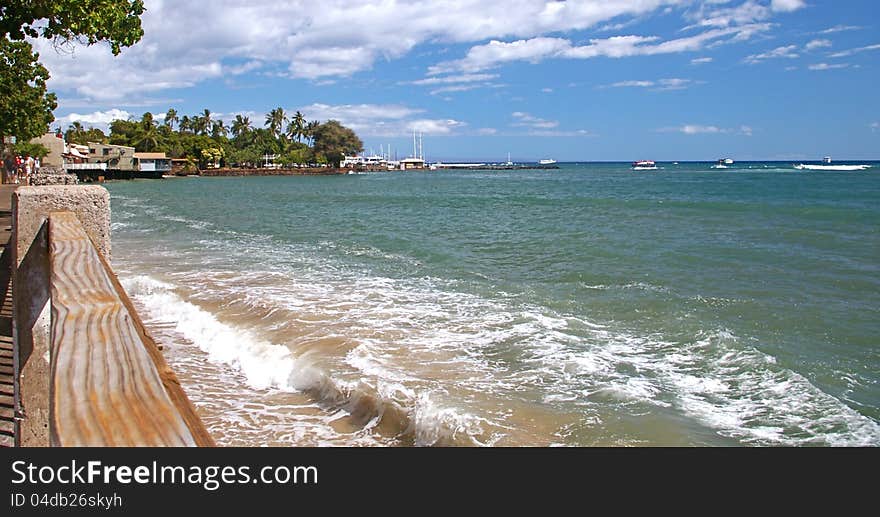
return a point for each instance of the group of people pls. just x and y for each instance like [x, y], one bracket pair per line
[19, 169]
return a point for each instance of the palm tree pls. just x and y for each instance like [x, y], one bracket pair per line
[75, 133]
[147, 120]
[218, 129]
[292, 132]
[299, 126]
[171, 118]
[202, 123]
[240, 126]
[309, 131]
[275, 120]
[148, 140]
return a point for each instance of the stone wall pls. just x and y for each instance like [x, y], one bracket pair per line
[30, 284]
[53, 176]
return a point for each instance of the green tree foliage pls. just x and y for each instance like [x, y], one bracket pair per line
[76, 134]
[240, 126]
[275, 121]
[124, 132]
[212, 156]
[333, 141]
[297, 127]
[30, 149]
[25, 107]
[90, 21]
[171, 118]
[247, 147]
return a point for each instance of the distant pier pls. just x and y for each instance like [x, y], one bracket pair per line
[493, 166]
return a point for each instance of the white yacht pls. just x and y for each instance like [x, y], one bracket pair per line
[644, 165]
[808, 167]
[549, 161]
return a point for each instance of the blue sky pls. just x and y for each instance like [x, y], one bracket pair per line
[577, 80]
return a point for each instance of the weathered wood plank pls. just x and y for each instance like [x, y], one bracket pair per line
[106, 389]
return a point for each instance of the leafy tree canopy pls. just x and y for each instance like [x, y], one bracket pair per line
[30, 149]
[25, 107]
[333, 140]
[115, 21]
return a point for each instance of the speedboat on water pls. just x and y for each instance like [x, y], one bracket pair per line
[808, 167]
[644, 165]
[548, 161]
[722, 163]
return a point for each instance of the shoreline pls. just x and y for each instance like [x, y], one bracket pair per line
[309, 171]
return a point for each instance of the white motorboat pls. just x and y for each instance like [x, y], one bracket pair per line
[722, 163]
[644, 165]
[808, 167]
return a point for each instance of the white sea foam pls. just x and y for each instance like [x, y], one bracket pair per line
[271, 366]
[263, 364]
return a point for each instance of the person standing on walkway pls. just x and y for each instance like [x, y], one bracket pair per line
[8, 167]
[28, 169]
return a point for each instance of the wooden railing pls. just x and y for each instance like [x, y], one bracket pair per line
[109, 385]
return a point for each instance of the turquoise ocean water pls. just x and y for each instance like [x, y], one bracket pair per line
[589, 305]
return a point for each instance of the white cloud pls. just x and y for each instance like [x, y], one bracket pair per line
[185, 43]
[709, 14]
[98, 119]
[456, 88]
[456, 83]
[526, 120]
[847, 53]
[841, 28]
[701, 60]
[243, 68]
[434, 127]
[826, 66]
[557, 133]
[818, 43]
[495, 53]
[787, 52]
[344, 112]
[632, 84]
[658, 85]
[698, 129]
[536, 126]
[787, 5]
[463, 78]
[875, 126]
[385, 120]
[693, 129]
